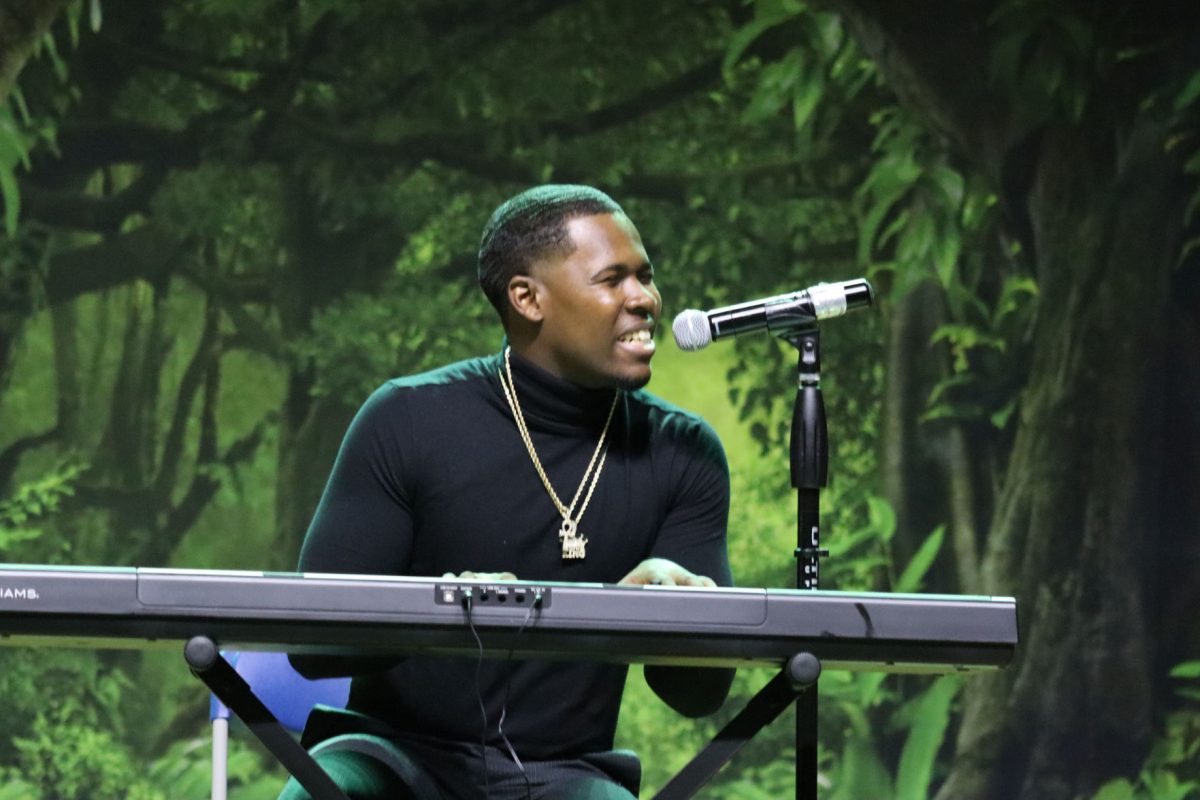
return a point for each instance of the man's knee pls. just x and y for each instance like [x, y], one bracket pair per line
[588, 788]
[362, 776]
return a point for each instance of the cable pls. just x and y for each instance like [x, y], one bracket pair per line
[468, 600]
[534, 606]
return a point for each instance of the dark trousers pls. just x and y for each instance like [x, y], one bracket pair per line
[370, 767]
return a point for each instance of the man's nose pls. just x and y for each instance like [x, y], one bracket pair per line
[642, 297]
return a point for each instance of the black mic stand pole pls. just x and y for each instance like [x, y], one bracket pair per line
[810, 467]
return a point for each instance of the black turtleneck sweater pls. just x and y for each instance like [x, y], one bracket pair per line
[433, 478]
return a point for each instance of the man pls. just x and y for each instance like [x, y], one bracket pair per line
[543, 462]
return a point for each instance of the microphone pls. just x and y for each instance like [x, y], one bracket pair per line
[780, 315]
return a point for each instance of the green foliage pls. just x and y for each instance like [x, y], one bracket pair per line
[865, 723]
[13, 788]
[362, 340]
[70, 748]
[63, 757]
[1172, 768]
[813, 82]
[927, 725]
[1185, 142]
[14, 151]
[912, 204]
[21, 131]
[185, 770]
[769, 781]
[1048, 56]
[34, 502]
[862, 716]
[922, 220]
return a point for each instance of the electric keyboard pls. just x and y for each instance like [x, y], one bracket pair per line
[375, 615]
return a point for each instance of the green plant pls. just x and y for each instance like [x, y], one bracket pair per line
[1170, 771]
[33, 502]
[69, 759]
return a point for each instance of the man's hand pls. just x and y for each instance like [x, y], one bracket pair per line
[468, 575]
[661, 572]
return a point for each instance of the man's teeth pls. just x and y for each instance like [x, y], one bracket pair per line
[641, 337]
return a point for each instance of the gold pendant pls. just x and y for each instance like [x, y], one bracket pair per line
[573, 545]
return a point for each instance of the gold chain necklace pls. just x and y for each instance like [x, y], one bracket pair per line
[573, 545]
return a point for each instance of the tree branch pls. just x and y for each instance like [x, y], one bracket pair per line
[148, 253]
[229, 297]
[10, 457]
[201, 363]
[490, 29]
[946, 83]
[203, 488]
[84, 212]
[87, 146]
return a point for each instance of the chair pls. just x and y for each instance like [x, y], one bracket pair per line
[286, 693]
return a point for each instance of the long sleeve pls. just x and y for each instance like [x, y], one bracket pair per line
[363, 524]
[693, 535]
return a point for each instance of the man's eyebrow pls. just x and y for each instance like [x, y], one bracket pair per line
[622, 267]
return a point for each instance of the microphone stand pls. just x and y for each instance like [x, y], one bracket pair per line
[809, 472]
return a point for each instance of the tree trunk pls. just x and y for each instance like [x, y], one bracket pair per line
[308, 442]
[325, 266]
[1076, 520]
[911, 321]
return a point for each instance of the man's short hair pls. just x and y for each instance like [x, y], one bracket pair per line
[529, 227]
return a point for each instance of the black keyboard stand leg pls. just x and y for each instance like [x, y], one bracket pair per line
[800, 673]
[806, 745]
[207, 664]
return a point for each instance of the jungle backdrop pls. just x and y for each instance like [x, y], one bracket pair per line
[227, 221]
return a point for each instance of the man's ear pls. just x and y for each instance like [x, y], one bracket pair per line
[524, 295]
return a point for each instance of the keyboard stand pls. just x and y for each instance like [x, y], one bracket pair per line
[797, 677]
[207, 664]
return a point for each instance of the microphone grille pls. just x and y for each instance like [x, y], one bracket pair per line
[691, 330]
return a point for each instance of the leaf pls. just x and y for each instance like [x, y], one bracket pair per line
[881, 515]
[775, 87]
[999, 418]
[1011, 293]
[1119, 789]
[1164, 785]
[881, 205]
[925, 739]
[946, 250]
[922, 560]
[746, 35]
[950, 184]
[1189, 93]
[868, 684]
[918, 239]
[12, 200]
[808, 92]
[862, 775]
[1188, 669]
[943, 387]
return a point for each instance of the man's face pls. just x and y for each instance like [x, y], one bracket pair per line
[598, 306]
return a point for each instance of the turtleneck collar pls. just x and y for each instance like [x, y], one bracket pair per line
[548, 401]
